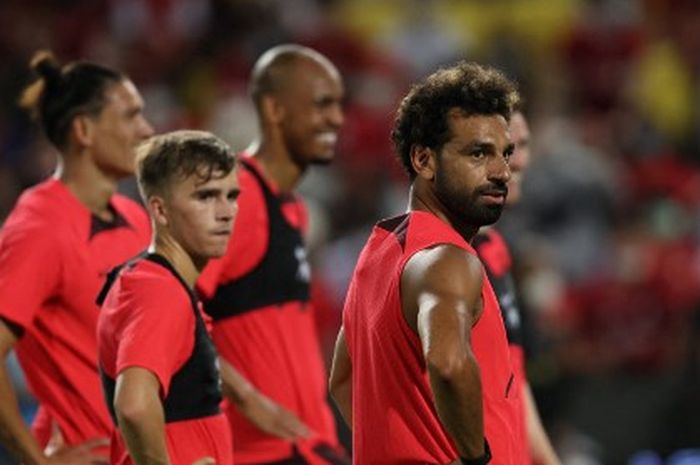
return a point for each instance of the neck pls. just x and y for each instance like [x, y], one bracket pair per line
[188, 267]
[89, 184]
[277, 164]
[422, 199]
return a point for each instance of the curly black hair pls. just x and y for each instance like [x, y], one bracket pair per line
[422, 116]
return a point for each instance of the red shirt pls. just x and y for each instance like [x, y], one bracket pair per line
[147, 321]
[394, 416]
[276, 347]
[54, 255]
[494, 253]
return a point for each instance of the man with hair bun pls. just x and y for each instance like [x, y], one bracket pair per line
[56, 247]
[258, 293]
[421, 370]
[158, 365]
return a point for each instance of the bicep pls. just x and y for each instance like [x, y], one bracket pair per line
[443, 285]
[136, 393]
[136, 382]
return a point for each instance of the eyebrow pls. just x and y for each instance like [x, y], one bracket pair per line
[475, 144]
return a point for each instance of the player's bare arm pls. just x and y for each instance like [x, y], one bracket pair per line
[340, 383]
[14, 433]
[264, 413]
[140, 416]
[540, 446]
[441, 300]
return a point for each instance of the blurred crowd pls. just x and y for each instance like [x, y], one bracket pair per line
[607, 236]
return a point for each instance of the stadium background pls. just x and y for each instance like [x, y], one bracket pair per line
[607, 236]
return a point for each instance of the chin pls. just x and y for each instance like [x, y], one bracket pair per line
[490, 215]
[323, 159]
[217, 252]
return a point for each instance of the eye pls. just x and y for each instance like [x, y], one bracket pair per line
[508, 153]
[478, 153]
[205, 195]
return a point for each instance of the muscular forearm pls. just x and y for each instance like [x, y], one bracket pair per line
[14, 434]
[457, 391]
[143, 430]
[233, 385]
[340, 381]
[342, 395]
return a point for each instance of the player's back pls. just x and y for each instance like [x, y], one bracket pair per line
[394, 417]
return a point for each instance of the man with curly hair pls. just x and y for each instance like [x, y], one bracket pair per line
[421, 369]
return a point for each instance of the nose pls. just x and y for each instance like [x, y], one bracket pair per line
[499, 170]
[519, 160]
[336, 115]
[146, 129]
[226, 210]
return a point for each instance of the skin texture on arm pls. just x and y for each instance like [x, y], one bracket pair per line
[15, 435]
[267, 415]
[540, 445]
[140, 416]
[13, 432]
[441, 300]
[340, 382]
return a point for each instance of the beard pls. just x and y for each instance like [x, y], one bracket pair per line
[466, 205]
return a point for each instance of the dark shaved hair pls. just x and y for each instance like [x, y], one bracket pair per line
[272, 70]
[422, 117]
[178, 155]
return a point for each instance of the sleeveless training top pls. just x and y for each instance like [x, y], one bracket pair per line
[394, 416]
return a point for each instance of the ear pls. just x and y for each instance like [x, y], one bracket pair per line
[423, 161]
[158, 209]
[82, 130]
[272, 109]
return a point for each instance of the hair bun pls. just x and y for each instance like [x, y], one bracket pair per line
[45, 64]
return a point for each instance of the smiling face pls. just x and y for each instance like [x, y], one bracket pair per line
[311, 111]
[118, 129]
[472, 173]
[199, 214]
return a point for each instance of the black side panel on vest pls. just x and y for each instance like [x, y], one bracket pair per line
[504, 288]
[281, 276]
[194, 390]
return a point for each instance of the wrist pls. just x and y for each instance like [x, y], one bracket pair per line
[482, 460]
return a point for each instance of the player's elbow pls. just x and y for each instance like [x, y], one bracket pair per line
[447, 365]
[132, 408]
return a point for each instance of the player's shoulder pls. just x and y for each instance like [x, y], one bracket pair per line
[44, 200]
[249, 183]
[445, 258]
[43, 210]
[493, 250]
[129, 209]
[146, 278]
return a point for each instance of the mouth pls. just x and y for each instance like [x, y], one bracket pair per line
[328, 137]
[222, 233]
[495, 195]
